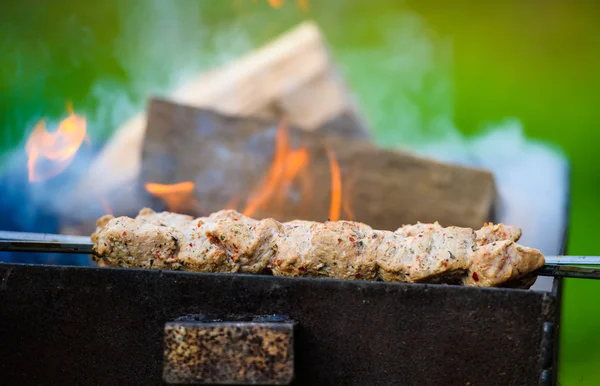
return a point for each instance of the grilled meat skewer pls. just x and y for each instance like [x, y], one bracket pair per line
[228, 241]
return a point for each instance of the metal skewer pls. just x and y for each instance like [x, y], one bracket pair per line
[26, 236]
[569, 271]
[46, 247]
[44, 242]
[572, 260]
[557, 266]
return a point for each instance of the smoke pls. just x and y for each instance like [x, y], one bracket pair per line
[532, 179]
[158, 46]
[404, 84]
[403, 81]
[161, 45]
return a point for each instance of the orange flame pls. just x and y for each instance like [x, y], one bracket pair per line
[296, 160]
[279, 3]
[177, 197]
[49, 154]
[233, 203]
[287, 163]
[273, 175]
[336, 187]
[346, 202]
[306, 183]
[105, 205]
[276, 3]
[303, 4]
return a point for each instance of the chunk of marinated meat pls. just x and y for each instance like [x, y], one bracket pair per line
[164, 218]
[293, 256]
[198, 254]
[415, 229]
[502, 262]
[230, 214]
[101, 223]
[391, 255]
[435, 254]
[246, 242]
[335, 249]
[490, 233]
[158, 240]
[126, 242]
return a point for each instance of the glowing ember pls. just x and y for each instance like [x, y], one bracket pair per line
[178, 197]
[336, 187]
[287, 163]
[49, 154]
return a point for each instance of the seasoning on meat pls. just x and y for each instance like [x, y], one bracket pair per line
[433, 254]
[247, 242]
[334, 249]
[161, 241]
[228, 241]
[488, 234]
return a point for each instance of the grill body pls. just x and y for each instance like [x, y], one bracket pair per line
[100, 326]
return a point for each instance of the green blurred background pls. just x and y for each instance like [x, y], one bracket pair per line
[419, 68]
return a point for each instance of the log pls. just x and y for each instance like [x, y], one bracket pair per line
[292, 75]
[227, 157]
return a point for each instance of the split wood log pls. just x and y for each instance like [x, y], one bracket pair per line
[293, 75]
[227, 157]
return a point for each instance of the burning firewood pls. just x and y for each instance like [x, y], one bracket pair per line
[293, 74]
[227, 241]
[272, 169]
[197, 161]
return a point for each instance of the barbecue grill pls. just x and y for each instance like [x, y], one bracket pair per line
[75, 325]
[106, 326]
